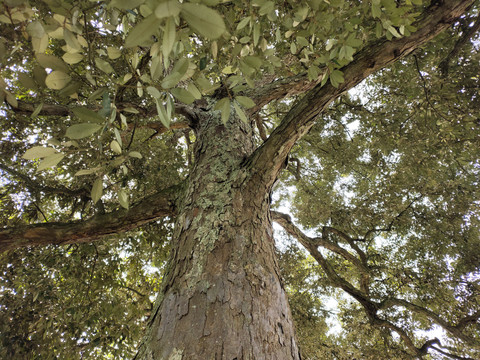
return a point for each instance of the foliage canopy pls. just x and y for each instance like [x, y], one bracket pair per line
[96, 107]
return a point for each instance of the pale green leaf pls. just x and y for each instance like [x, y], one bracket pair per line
[52, 62]
[240, 112]
[57, 80]
[50, 161]
[192, 89]
[113, 52]
[87, 115]
[115, 146]
[171, 80]
[154, 92]
[26, 81]
[183, 95]
[103, 65]
[118, 136]
[35, 29]
[156, 67]
[162, 114]
[135, 154]
[97, 190]
[142, 33]
[256, 33]
[244, 22]
[393, 31]
[123, 198]
[38, 152]
[336, 78]
[72, 58]
[224, 106]
[168, 37]
[37, 110]
[126, 4]
[71, 39]
[167, 9]
[80, 131]
[86, 172]
[206, 21]
[245, 101]
[11, 99]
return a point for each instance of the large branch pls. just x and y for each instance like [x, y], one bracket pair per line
[62, 110]
[35, 187]
[153, 207]
[370, 306]
[279, 89]
[268, 159]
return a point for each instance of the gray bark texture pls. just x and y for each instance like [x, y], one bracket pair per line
[222, 296]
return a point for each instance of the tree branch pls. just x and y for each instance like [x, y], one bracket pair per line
[286, 222]
[371, 307]
[279, 89]
[35, 187]
[455, 330]
[444, 64]
[153, 207]
[268, 158]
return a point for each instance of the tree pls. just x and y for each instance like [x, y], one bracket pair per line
[164, 125]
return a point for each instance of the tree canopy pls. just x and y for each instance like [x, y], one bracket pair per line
[97, 102]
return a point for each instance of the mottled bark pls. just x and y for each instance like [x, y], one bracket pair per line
[222, 297]
[151, 208]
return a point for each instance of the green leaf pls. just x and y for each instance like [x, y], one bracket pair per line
[115, 146]
[103, 65]
[206, 21]
[393, 31]
[125, 4]
[266, 8]
[171, 80]
[97, 190]
[244, 22]
[192, 89]
[253, 61]
[142, 32]
[71, 40]
[86, 171]
[376, 11]
[26, 81]
[135, 154]
[123, 198]
[240, 113]
[72, 58]
[154, 92]
[35, 29]
[183, 95]
[50, 161]
[57, 80]
[336, 78]
[162, 114]
[168, 37]
[38, 152]
[52, 62]
[37, 110]
[113, 52]
[245, 101]
[11, 99]
[224, 106]
[88, 115]
[80, 131]
[167, 9]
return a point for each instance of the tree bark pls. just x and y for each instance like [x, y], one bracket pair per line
[222, 296]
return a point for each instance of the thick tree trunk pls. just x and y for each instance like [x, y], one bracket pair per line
[222, 297]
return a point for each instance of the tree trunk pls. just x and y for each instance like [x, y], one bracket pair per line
[222, 296]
